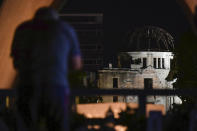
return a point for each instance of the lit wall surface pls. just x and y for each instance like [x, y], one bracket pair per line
[190, 7]
[98, 110]
[12, 13]
[191, 4]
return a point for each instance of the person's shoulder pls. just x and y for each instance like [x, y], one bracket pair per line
[24, 25]
[66, 26]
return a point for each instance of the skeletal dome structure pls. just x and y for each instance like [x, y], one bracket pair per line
[150, 38]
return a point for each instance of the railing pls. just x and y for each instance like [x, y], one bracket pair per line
[154, 122]
[142, 94]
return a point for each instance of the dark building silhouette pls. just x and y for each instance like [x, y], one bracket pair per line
[89, 27]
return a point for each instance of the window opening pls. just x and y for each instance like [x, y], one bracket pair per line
[155, 63]
[144, 62]
[148, 83]
[115, 86]
[159, 62]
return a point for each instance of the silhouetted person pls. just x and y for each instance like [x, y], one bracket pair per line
[195, 18]
[41, 51]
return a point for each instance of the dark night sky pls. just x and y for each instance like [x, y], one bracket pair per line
[120, 16]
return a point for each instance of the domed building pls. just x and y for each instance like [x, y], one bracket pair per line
[144, 64]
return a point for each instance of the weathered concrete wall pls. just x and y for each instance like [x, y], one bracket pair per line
[160, 72]
[126, 79]
[134, 77]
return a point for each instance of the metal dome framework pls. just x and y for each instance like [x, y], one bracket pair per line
[150, 38]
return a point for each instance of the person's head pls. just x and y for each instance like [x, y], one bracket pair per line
[46, 13]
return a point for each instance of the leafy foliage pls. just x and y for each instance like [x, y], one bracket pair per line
[130, 118]
[179, 117]
[90, 99]
[133, 120]
[77, 121]
[184, 66]
[76, 79]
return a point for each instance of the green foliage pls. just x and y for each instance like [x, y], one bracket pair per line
[173, 71]
[184, 66]
[75, 79]
[178, 118]
[90, 99]
[130, 118]
[77, 121]
[133, 120]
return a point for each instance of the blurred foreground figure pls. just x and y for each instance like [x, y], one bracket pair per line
[41, 51]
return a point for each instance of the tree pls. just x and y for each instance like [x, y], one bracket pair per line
[184, 64]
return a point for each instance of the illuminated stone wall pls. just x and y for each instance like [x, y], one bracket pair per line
[134, 76]
[126, 79]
